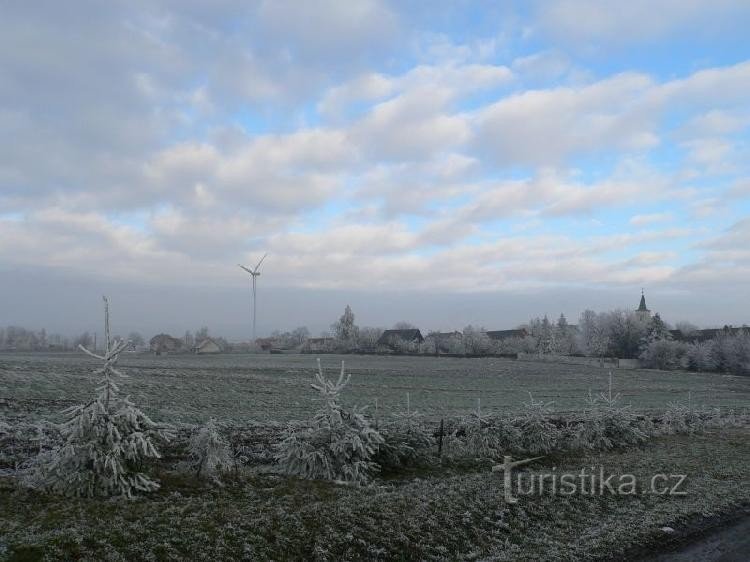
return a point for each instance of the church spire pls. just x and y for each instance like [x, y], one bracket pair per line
[642, 312]
[642, 306]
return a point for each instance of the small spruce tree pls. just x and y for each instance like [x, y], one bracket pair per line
[105, 441]
[209, 452]
[339, 443]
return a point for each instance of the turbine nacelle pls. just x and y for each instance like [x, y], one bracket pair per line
[254, 273]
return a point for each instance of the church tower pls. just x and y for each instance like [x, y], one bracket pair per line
[642, 313]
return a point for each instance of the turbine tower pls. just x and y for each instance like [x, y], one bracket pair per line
[254, 273]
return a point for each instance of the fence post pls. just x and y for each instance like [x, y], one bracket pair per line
[440, 439]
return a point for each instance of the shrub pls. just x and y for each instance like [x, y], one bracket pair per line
[209, 452]
[537, 432]
[405, 440]
[731, 353]
[681, 418]
[485, 436]
[699, 357]
[663, 354]
[338, 445]
[608, 424]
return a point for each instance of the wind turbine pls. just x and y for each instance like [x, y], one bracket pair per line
[254, 273]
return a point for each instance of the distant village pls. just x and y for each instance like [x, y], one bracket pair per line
[625, 339]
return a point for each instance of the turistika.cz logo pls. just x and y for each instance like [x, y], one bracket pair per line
[589, 481]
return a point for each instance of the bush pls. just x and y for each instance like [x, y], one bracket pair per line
[209, 452]
[608, 424]
[537, 432]
[699, 356]
[681, 418]
[405, 441]
[731, 353]
[664, 354]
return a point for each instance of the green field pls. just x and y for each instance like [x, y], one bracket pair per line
[267, 388]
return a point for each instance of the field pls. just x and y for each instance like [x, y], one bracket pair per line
[275, 388]
[443, 508]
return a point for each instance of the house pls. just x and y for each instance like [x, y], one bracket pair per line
[445, 342]
[207, 346]
[317, 345]
[710, 333]
[398, 339]
[164, 343]
[499, 335]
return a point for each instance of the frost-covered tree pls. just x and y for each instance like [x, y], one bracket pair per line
[607, 423]
[538, 433]
[339, 443]
[209, 451]
[484, 435]
[345, 328]
[564, 340]
[405, 438]
[657, 330]
[105, 441]
[476, 341]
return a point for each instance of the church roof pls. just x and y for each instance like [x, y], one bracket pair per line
[642, 306]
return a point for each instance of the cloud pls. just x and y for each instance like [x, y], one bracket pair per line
[610, 22]
[367, 145]
[651, 218]
[543, 127]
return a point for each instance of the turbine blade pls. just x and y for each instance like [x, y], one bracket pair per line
[257, 267]
[246, 269]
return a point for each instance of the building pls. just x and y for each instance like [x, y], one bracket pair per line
[397, 340]
[710, 334]
[499, 335]
[642, 313]
[446, 342]
[318, 345]
[207, 346]
[164, 343]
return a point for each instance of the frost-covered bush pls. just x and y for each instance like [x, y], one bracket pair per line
[405, 440]
[538, 433]
[481, 435]
[105, 441]
[664, 354]
[731, 353]
[608, 424]
[339, 443]
[209, 452]
[682, 418]
[699, 357]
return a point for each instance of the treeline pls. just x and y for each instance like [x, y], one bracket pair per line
[611, 334]
[20, 339]
[16, 338]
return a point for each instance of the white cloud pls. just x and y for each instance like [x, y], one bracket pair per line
[649, 219]
[545, 126]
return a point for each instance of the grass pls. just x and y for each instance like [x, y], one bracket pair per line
[454, 512]
[275, 388]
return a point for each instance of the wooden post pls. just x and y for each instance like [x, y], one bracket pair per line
[440, 439]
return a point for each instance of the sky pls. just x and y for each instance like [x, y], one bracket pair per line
[443, 163]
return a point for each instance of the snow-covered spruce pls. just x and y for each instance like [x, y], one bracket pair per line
[538, 433]
[105, 441]
[209, 452]
[339, 443]
[608, 424]
[405, 439]
[489, 436]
